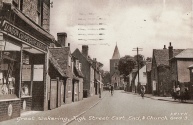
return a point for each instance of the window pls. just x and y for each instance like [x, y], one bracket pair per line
[80, 66]
[77, 64]
[76, 89]
[15, 3]
[144, 74]
[72, 66]
[9, 72]
[38, 20]
[21, 5]
[69, 86]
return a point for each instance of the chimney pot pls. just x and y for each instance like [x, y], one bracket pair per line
[164, 47]
[68, 44]
[170, 44]
[62, 38]
[85, 50]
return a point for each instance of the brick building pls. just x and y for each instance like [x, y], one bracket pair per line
[87, 70]
[180, 74]
[160, 74]
[62, 54]
[24, 40]
[148, 70]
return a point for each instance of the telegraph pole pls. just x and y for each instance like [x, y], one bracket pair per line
[137, 49]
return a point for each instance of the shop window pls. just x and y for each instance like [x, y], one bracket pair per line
[8, 73]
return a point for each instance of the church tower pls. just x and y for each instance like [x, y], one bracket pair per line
[114, 72]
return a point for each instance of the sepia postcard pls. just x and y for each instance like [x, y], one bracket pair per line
[96, 62]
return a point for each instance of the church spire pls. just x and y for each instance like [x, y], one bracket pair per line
[116, 54]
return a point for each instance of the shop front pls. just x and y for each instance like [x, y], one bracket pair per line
[23, 70]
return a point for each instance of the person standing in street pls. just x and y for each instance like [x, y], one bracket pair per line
[112, 89]
[142, 91]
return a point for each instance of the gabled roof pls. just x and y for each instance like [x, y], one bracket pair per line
[148, 64]
[61, 54]
[116, 54]
[88, 59]
[187, 53]
[162, 55]
[56, 65]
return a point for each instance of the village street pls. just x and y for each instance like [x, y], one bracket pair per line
[120, 109]
[129, 109]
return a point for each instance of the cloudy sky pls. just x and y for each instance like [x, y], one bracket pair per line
[148, 24]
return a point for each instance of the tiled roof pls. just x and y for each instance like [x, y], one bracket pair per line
[56, 65]
[148, 64]
[187, 53]
[162, 55]
[87, 58]
[61, 55]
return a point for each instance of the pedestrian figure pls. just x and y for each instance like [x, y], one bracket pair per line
[112, 90]
[178, 90]
[142, 91]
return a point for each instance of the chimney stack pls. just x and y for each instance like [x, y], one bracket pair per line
[170, 53]
[164, 47]
[62, 38]
[85, 50]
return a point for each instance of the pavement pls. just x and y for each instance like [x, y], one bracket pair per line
[170, 99]
[60, 116]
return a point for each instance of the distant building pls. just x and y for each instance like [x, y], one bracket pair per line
[148, 70]
[114, 72]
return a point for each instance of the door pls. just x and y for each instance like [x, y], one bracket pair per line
[53, 93]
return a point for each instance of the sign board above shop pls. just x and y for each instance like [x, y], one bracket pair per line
[23, 36]
[38, 73]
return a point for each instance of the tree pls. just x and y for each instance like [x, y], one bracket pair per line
[148, 59]
[141, 60]
[126, 64]
[106, 77]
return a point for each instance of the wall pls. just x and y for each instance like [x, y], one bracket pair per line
[30, 9]
[27, 105]
[154, 76]
[92, 88]
[80, 89]
[164, 81]
[85, 69]
[183, 71]
[4, 109]
[142, 77]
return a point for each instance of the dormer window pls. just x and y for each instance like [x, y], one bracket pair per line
[80, 66]
[69, 60]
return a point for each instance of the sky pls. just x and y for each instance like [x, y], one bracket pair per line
[147, 24]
